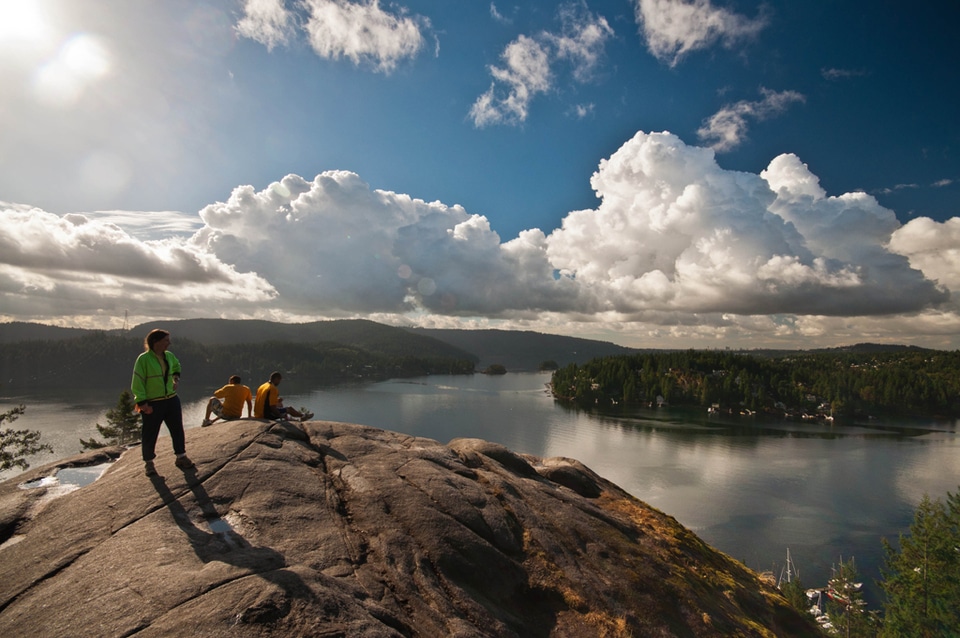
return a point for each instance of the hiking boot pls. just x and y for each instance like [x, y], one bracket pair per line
[206, 422]
[306, 416]
[184, 463]
[149, 469]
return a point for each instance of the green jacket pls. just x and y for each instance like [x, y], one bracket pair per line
[149, 382]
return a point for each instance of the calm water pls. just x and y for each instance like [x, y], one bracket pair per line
[749, 487]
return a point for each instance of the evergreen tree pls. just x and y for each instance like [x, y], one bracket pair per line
[846, 607]
[123, 425]
[795, 594]
[16, 445]
[952, 576]
[921, 578]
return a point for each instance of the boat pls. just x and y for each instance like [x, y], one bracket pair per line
[815, 595]
[842, 592]
[787, 571]
[843, 597]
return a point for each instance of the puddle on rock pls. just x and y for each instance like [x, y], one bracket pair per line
[219, 526]
[46, 481]
[72, 477]
[81, 476]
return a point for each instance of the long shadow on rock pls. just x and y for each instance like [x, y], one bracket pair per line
[226, 545]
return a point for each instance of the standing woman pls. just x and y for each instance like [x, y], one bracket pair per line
[156, 375]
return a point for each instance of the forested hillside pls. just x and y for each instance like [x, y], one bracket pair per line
[14, 331]
[836, 383]
[104, 361]
[360, 333]
[515, 350]
[518, 350]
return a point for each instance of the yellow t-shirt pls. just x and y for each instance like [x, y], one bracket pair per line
[234, 396]
[267, 395]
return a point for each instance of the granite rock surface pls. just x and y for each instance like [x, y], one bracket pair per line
[335, 529]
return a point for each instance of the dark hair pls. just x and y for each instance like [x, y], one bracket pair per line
[154, 336]
[276, 376]
[235, 379]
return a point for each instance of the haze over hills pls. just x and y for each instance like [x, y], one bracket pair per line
[523, 350]
[325, 353]
[515, 350]
[359, 333]
[14, 331]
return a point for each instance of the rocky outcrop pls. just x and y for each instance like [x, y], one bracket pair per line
[333, 529]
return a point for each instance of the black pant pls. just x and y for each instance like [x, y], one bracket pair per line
[164, 411]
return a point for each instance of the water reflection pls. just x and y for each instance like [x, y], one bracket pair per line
[754, 488]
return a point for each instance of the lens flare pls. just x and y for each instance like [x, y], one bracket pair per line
[80, 61]
[426, 286]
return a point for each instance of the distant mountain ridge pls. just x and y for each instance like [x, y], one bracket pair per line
[360, 333]
[15, 331]
[515, 350]
[870, 347]
[38, 360]
[523, 350]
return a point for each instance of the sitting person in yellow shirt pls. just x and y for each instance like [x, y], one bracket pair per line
[269, 405]
[227, 402]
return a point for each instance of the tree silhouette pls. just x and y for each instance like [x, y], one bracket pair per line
[123, 425]
[16, 445]
[846, 607]
[922, 578]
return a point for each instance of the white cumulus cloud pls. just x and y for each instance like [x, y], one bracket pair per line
[529, 63]
[582, 39]
[674, 28]
[679, 250]
[525, 73]
[75, 265]
[932, 247]
[677, 242]
[675, 232]
[360, 31]
[266, 21]
[334, 245]
[727, 128]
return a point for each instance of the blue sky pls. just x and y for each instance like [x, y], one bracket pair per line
[658, 173]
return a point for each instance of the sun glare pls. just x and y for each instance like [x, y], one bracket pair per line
[85, 56]
[22, 20]
[80, 61]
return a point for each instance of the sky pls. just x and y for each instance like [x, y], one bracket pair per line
[654, 173]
